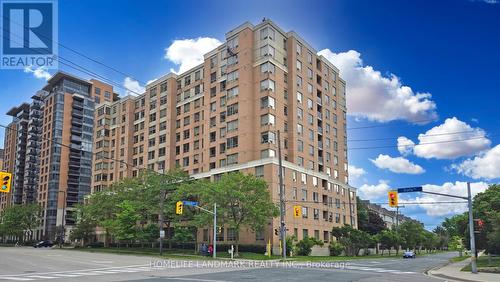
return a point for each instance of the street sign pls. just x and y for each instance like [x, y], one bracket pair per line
[162, 233]
[190, 203]
[410, 189]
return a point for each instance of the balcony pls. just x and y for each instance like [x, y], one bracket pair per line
[320, 130]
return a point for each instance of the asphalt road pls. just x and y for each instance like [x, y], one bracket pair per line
[29, 264]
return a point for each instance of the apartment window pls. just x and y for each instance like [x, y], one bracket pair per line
[196, 145]
[267, 50]
[232, 142]
[267, 67]
[299, 49]
[185, 161]
[196, 117]
[152, 92]
[259, 171]
[185, 148]
[222, 148]
[232, 76]
[267, 102]
[152, 130]
[232, 92]
[232, 60]
[186, 134]
[299, 65]
[213, 91]
[213, 106]
[309, 88]
[267, 33]
[299, 81]
[213, 77]
[267, 119]
[299, 97]
[232, 159]
[267, 84]
[163, 139]
[232, 125]
[310, 119]
[300, 161]
[299, 128]
[309, 57]
[268, 153]
[232, 109]
[161, 152]
[233, 42]
[268, 137]
[213, 136]
[186, 121]
[300, 145]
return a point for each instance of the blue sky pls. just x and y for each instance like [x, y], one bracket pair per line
[445, 51]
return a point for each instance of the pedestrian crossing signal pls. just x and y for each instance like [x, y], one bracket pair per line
[178, 207]
[393, 198]
[6, 179]
[297, 211]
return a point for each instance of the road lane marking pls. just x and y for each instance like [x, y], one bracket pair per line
[17, 278]
[42, 276]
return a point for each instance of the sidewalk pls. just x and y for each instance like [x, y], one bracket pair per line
[452, 272]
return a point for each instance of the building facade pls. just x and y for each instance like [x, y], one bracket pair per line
[49, 149]
[391, 218]
[224, 115]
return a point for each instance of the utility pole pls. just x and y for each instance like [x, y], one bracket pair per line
[473, 263]
[161, 217]
[215, 231]
[282, 200]
[397, 216]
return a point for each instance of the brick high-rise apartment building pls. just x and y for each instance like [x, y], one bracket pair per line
[49, 147]
[223, 115]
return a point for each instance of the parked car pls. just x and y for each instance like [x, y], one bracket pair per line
[409, 254]
[45, 243]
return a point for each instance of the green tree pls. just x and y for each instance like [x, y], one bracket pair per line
[412, 235]
[242, 200]
[18, 219]
[456, 244]
[374, 225]
[84, 227]
[352, 239]
[389, 239]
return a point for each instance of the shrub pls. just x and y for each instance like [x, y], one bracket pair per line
[304, 246]
[336, 248]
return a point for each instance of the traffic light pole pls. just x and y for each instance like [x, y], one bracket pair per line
[471, 218]
[473, 262]
[282, 200]
[215, 226]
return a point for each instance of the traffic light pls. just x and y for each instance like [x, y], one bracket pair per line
[479, 225]
[393, 198]
[6, 178]
[178, 207]
[297, 211]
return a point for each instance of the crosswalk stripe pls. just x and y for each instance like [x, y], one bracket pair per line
[66, 275]
[42, 276]
[17, 278]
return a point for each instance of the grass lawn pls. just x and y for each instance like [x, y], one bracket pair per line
[483, 264]
[457, 259]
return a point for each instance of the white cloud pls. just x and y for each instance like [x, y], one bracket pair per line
[440, 142]
[397, 165]
[188, 53]
[405, 145]
[376, 97]
[458, 188]
[40, 72]
[133, 87]
[355, 172]
[486, 165]
[373, 192]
